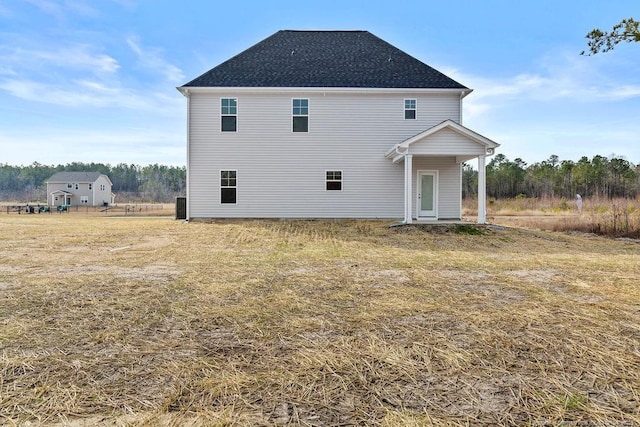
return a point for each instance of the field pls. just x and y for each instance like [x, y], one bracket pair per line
[607, 217]
[150, 321]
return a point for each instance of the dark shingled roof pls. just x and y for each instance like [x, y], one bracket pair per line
[75, 177]
[345, 59]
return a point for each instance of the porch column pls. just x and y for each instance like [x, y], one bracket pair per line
[482, 191]
[408, 191]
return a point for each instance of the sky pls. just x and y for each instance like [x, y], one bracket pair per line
[95, 80]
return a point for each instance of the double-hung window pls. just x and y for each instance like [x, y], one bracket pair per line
[301, 115]
[229, 114]
[228, 187]
[410, 109]
[334, 180]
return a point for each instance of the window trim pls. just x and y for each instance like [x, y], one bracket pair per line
[293, 115]
[414, 109]
[222, 115]
[327, 180]
[228, 186]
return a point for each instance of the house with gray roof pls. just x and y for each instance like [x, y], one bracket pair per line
[328, 124]
[79, 188]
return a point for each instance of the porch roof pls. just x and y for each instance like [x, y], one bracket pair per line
[62, 192]
[398, 151]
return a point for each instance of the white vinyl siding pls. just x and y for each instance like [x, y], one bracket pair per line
[449, 189]
[101, 193]
[446, 142]
[356, 127]
[88, 193]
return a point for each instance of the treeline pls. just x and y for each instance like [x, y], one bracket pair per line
[599, 177]
[151, 183]
[596, 177]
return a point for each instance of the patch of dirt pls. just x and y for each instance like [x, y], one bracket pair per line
[494, 294]
[534, 276]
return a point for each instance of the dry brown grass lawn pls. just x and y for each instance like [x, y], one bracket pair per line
[150, 321]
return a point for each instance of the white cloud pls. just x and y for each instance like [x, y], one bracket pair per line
[129, 4]
[151, 59]
[4, 11]
[626, 91]
[562, 104]
[80, 7]
[133, 42]
[568, 78]
[49, 7]
[88, 93]
[6, 71]
[59, 9]
[77, 56]
[79, 75]
[117, 145]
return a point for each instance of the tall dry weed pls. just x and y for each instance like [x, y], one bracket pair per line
[607, 217]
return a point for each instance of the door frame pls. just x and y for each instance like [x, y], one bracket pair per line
[420, 173]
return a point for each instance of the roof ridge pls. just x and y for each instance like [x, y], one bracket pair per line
[325, 31]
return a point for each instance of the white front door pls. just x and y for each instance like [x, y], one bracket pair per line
[427, 194]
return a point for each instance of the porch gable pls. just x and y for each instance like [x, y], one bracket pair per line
[447, 138]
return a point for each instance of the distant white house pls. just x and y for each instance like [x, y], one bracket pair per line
[79, 188]
[328, 124]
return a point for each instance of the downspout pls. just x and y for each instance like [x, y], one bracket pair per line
[401, 152]
[463, 94]
[187, 95]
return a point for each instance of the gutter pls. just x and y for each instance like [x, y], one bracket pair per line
[396, 149]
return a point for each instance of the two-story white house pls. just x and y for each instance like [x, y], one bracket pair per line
[328, 124]
[79, 188]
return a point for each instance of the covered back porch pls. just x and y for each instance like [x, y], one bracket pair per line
[60, 198]
[433, 162]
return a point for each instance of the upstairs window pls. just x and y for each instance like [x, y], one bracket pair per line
[229, 114]
[410, 109]
[69, 185]
[228, 187]
[334, 180]
[90, 186]
[301, 115]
